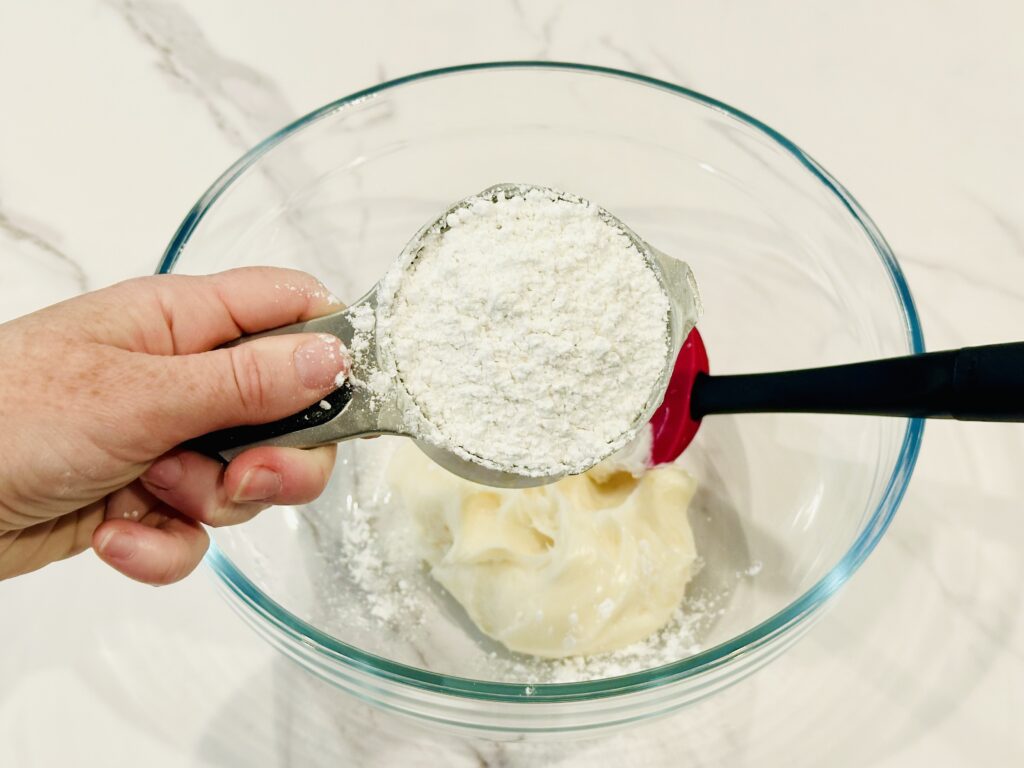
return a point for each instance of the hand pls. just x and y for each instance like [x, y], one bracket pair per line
[97, 392]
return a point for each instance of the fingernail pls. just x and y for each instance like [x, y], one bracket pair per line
[116, 545]
[164, 473]
[319, 361]
[258, 484]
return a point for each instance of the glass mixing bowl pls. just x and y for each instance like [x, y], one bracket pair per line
[792, 272]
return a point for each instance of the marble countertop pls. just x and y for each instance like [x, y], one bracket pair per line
[116, 115]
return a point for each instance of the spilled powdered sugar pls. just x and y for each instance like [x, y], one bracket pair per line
[319, 292]
[388, 593]
[376, 383]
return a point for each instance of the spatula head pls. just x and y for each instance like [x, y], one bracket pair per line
[672, 426]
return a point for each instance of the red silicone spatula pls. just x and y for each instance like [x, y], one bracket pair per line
[969, 384]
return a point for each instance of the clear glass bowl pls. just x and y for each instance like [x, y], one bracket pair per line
[792, 272]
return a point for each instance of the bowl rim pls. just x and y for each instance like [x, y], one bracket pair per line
[794, 613]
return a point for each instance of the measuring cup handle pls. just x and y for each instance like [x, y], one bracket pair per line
[310, 427]
[969, 384]
[224, 444]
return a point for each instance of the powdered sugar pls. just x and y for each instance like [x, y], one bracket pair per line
[363, 322]
[529, 331]
[376, 554]
[317, 293]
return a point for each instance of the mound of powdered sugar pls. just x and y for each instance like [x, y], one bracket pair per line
[529, 331]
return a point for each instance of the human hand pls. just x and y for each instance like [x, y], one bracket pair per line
[97, 392]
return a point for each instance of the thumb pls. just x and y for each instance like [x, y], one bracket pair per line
[252, 383]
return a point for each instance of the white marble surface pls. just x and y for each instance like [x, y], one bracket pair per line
[115, 115]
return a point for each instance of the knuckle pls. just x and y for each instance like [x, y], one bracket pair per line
[169, 574]
[250, 380]
[177, 565]
[236, 514]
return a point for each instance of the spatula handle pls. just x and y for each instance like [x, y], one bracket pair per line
[969, 384]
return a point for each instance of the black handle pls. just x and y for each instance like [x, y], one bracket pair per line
[970, 384]
[215, 443]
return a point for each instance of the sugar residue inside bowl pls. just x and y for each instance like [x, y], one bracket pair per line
[388, 592]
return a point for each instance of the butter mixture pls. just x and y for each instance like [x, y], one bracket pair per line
[590, 564]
